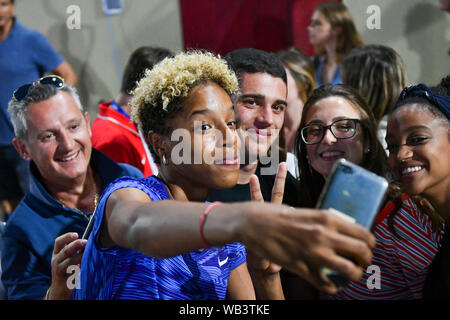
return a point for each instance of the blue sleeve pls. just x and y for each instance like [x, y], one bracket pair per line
[119, 183]
[21, 275]
[44, 55]
[238, 254]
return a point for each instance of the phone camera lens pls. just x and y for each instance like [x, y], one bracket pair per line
[347, 169]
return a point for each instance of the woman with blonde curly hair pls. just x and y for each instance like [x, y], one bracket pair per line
[152, 237]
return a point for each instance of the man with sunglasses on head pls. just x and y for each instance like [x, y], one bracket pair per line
[66, 178]
[25, 55]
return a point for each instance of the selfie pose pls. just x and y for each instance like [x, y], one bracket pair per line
[409, 229]
[156, 238]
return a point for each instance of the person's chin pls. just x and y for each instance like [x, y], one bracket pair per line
[226, 180]
[74, 171]
[415, 183]
[324, 169]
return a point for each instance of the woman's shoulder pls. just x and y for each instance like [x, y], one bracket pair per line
[152, 186]
[407, 223]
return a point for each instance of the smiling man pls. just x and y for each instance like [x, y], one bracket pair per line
[260, 108]
[66, 178]
[25, 55]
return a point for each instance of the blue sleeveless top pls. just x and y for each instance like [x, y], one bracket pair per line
[119, 273]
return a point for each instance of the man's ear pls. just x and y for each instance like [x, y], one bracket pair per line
[88, 122]
[21, 148]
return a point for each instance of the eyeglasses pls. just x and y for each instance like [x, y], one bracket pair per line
[53, 80]
[341, 129]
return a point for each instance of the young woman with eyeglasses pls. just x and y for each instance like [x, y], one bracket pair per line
[333, 34]
[337, 123]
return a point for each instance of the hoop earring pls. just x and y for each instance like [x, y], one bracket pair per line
[164, 160]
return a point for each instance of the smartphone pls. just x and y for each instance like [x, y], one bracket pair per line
[89, 227]
[355, 194]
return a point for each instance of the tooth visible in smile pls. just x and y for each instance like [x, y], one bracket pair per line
[411, 169]
[69, 158]
[331, 154]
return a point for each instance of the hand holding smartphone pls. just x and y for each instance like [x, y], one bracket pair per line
[355, 194]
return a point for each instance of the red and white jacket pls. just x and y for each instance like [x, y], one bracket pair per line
[118, 137]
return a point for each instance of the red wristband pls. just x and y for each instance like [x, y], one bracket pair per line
[202, 222]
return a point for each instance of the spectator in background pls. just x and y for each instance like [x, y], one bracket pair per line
[25, 56]
[301, 81]
[66, 178]
[444, 5]
[333, 34]
[378, 73]
[112, 131]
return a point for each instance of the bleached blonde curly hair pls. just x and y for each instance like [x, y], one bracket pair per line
[160, 93]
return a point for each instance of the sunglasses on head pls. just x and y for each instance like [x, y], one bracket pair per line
[53, 80]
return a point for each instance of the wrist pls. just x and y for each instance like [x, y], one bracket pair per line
[203, 218]
[245, 214]
[240, 213]
[264, 275]
[223, 224]
[58, 292]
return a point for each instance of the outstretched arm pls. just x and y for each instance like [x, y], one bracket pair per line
[302, 240]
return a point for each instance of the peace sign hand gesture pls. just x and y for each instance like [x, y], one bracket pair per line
[254, 261]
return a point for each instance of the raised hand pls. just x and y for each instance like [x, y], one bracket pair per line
[67, 252]
[254, 261]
